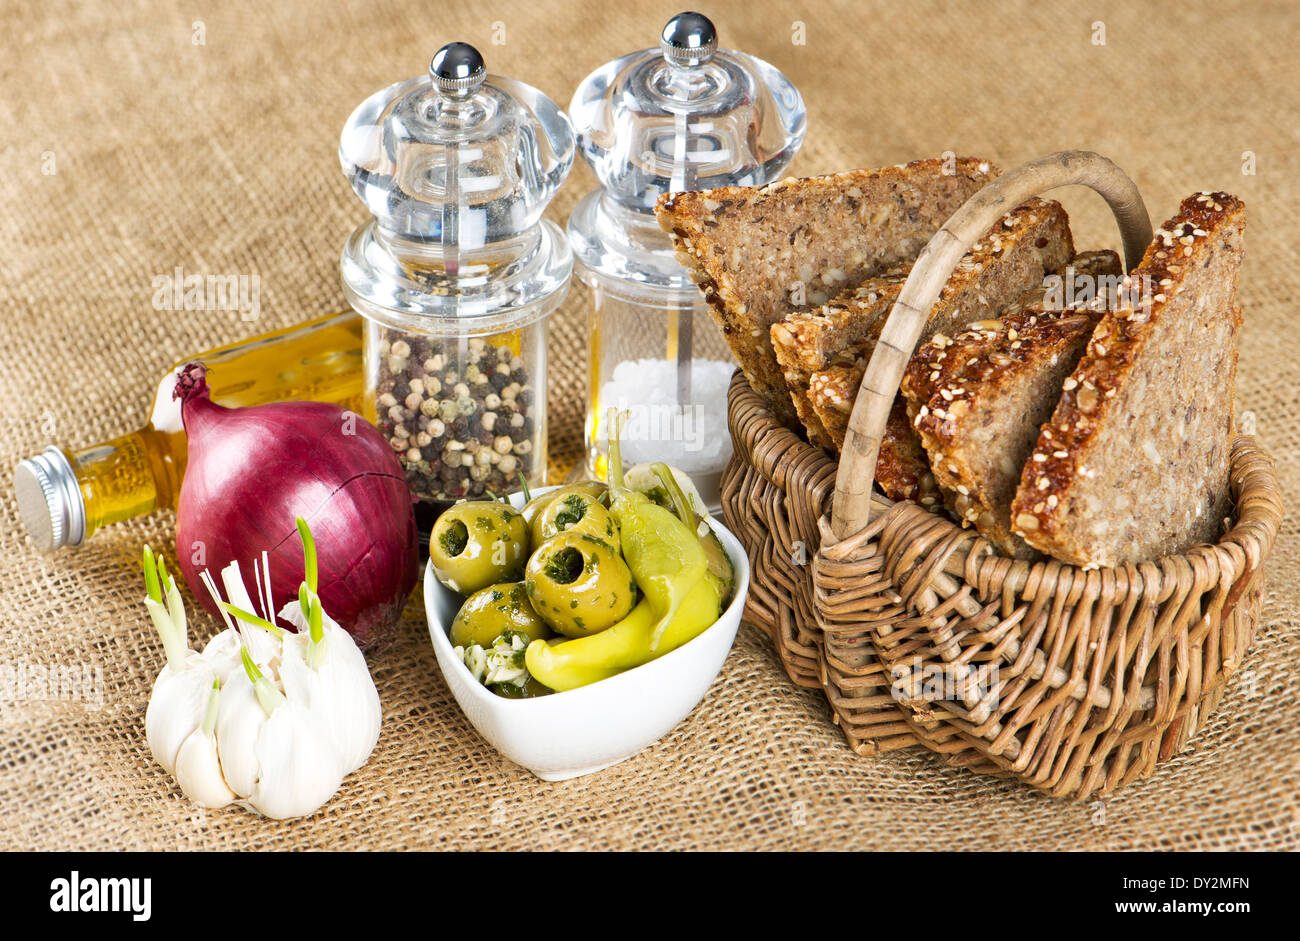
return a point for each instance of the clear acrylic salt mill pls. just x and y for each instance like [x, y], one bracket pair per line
[685, 115]
[457, 272]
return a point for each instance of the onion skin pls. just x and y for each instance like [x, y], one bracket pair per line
[252, 471]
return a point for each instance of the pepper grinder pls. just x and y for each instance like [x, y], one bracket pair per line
[685, 115]
[457, 271]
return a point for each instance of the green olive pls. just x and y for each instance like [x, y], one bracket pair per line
[579, 585]
[491, 611]
[592, 488]
[478, 543]
[575, 512]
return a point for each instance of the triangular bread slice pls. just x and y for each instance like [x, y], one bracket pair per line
[1025, 244]
[839, 333]
[760, 253]
[1133, 464]
[978, 399]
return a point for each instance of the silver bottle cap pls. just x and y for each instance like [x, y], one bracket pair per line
[50, 500]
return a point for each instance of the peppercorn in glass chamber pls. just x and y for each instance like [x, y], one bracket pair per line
[457, 271]
[683, 116]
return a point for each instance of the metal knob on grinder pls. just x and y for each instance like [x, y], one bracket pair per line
[457, 69]
[689, 39]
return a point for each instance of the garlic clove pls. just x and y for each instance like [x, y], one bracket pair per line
[198, 771]
[176, 707]
[222, 654]
[298, 764]
[239, 724]
[356, 709]
[341, 691]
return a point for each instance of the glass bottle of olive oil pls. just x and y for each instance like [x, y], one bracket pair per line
[66, 495]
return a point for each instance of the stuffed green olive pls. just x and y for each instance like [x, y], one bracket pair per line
[579, 585]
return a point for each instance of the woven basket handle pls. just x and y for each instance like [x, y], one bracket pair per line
[851, 509]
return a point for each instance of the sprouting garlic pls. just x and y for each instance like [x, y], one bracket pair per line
[340, 689]
[176, 706]
[198, 767]
[264, 718]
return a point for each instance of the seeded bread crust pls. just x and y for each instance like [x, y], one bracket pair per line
[852, 322]
[1026, 243]
[750, 249]
[978, 399]
[1133, 465]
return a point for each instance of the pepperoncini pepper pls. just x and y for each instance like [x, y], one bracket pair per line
[573, 663]
[662, 552]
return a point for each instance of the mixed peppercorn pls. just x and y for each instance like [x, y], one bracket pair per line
[461, 414]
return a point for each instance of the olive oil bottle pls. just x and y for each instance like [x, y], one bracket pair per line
[66, 495]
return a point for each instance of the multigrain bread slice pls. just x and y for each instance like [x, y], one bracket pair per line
[760, 253]
[978, 399]
[839, 333]
[902, 470]
[1019, 249]
[1133, 464]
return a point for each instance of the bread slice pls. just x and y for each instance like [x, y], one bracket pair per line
[839, 333]
[978, 399]
[760, 253]
[1133, 464]
[1019, 249]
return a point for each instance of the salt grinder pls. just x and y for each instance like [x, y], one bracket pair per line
[685, 115]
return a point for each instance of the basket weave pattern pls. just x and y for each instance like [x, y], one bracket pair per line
[1073, 680]
[1099, 673]
[774, 492]
[914, 595]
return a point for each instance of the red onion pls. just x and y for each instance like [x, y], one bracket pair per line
[252, 471]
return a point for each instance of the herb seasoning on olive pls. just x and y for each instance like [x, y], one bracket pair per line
[575, 511]
[478, 543]
[579, 585]
[491, 611]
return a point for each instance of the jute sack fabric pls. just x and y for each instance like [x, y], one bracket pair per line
[146, 136]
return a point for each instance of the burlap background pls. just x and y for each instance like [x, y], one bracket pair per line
[221, 158]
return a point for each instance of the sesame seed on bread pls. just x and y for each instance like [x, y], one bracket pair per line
[1133, 464]
[1026, 243]
[977, 399]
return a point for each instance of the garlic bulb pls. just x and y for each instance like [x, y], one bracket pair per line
[270, 720]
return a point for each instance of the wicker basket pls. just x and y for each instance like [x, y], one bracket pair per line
[1073, 680]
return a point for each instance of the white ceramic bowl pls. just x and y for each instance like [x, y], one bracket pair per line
[568, 734]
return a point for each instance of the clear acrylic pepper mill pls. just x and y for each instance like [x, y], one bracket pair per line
[457, 272]
[683, 116]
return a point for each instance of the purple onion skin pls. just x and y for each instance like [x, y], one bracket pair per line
[252, 471]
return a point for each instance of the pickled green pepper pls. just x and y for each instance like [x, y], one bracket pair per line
[663, 553]
[573, 663]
